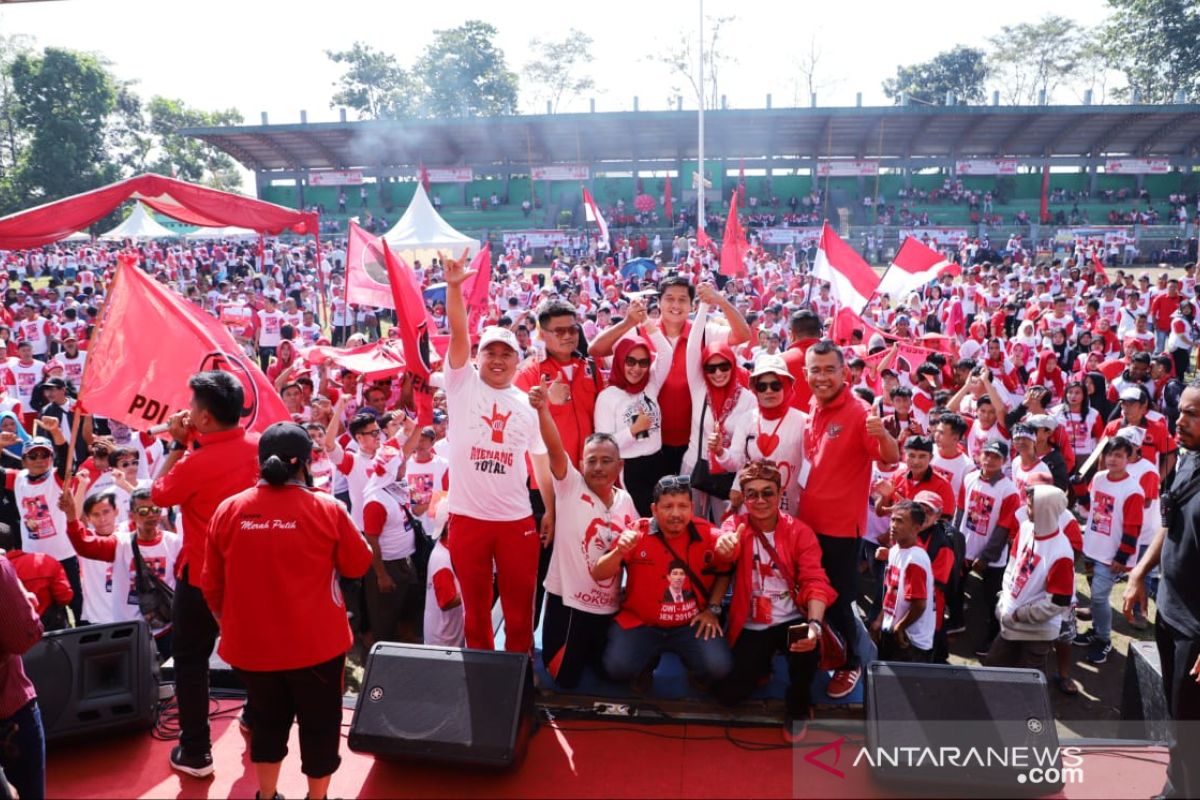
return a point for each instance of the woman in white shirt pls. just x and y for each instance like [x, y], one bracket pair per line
[719, 399]
[628, 409]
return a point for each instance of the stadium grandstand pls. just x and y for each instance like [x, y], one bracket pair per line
[878, 173]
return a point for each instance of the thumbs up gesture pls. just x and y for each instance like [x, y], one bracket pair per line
[728, 543]
[558, 391]
[538, 394]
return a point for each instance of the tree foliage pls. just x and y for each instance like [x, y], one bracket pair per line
[183, 156]
[373, 83]
[464, 74]
[1156, 44]
[682, 60]
[558, 71]
[64, 99]
[962, 71]
[1034, 57]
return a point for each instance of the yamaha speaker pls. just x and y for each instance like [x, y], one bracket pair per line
[95, 679]
[444, 704]
[962, 731]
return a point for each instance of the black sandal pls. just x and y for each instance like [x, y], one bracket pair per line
[1067, 686]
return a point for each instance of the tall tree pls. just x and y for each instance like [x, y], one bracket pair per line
[1035, 57]
[12, 135]
[558, 71]
[1156, 44]
[464, 74]
[373, 84]
[682, 60]
[183, 156]
[962, 71]
[65, 99]
[127, 136]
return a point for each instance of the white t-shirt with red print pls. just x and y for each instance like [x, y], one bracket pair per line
[988, 505]
[909, 577]
[1039, 566]
[1114, 504]
[492, 430]
[584, 530]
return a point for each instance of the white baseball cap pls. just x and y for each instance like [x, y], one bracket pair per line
[495, 333]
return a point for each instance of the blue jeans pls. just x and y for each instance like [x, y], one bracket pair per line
[23, 751]
[630, 650]
[1103, 578]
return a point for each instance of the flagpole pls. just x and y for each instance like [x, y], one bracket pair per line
[700, 150]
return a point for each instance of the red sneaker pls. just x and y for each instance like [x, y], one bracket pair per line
[843, 682]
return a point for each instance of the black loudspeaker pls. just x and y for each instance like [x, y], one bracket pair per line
[962, 731]
[95, 679]
[1144, 713]
[443, 704]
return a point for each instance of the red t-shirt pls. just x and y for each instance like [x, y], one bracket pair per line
[661, 597]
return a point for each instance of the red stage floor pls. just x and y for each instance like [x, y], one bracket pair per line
[567, 759]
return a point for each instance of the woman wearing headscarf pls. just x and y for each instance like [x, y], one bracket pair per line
[11, 455]
[772, 431]
[1096, 386]
[269, 578]
[1182, 338]
[285, 356]
[719, 399]
[628, 409]
[1049, 374]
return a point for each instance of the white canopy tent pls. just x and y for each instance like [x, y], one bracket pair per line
[422, 232]
[228, 232]
[138, 225]
[78, 236]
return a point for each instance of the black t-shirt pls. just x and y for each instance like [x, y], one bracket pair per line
[1179, 591]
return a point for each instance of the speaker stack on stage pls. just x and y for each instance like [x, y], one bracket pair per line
[970, 731]
[95, 679]
[444, 704]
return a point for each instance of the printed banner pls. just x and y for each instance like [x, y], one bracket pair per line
[802, 237]
[1108, 234]
[560, 172]
[535, 239]
[986, 166]
[841, 169]
[451, 175]
[941, 237]
[1137, 166]
[336, 177]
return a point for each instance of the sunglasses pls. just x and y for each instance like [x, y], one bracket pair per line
[376, 432]
[124, 464]
[720, 366]
[148, 511]
[675, 482]
[768, 386]
[765, 494]
[630, 361]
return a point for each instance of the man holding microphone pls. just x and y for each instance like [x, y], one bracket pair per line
[211, 459]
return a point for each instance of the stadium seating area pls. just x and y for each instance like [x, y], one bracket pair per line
[1011, 195]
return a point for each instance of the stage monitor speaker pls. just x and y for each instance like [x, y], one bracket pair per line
[963, 731]
[443, 704]
[95, 679]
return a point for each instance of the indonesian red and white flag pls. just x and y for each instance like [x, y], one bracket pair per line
[915, 265]
[140, 380]
[592, 212]
[851, 279]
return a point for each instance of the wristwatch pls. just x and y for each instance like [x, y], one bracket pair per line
[717, 607]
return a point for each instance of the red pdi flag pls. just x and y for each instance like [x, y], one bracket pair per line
[668, 207]
[424, 177]
[410, 313]
[734, 246]
[366, 273]
[1101, 272]
[475, 288]
[1044, 211]
[141, 380]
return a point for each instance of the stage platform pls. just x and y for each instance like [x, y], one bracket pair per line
[591, 759]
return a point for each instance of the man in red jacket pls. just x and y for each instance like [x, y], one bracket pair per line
[778, 585]
[211, 459]
[44, 577]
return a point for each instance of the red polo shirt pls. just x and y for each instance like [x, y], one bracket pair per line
[223, 464]
[269, 576]
[836, 443]
[675, 397]
[650, 597]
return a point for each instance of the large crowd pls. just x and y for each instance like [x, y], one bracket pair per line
[673, 460]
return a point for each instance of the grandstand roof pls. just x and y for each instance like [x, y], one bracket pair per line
[892, 132]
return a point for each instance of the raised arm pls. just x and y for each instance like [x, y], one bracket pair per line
[739, 331]
[456, 273]
[541, 403]
[695, 348]
[604, 343]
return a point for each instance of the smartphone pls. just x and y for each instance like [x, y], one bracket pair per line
[797, 633]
